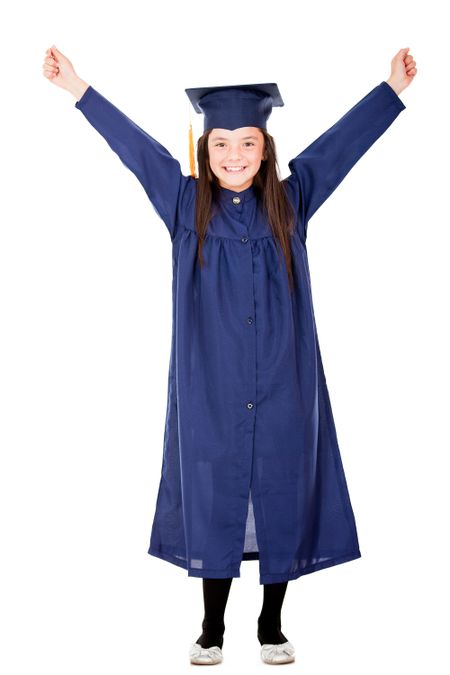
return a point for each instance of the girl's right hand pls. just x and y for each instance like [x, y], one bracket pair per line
[58, 69]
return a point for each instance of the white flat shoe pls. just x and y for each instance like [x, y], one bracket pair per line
[205, 656]
[274, 654]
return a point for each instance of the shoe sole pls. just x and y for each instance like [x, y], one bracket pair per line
[277, 663]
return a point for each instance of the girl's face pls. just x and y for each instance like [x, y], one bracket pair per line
[242, 149]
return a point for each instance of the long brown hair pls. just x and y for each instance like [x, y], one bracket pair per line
[270, 192]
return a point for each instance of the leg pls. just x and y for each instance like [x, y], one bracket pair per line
[215, 596]
[269, 621]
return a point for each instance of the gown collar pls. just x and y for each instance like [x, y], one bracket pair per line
[247, 195]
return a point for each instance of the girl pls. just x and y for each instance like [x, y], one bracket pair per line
[251, 464]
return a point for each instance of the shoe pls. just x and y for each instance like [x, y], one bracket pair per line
[283, 653]
[205, 656]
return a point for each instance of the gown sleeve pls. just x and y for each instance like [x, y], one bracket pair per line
[319, 169]
[155, 168]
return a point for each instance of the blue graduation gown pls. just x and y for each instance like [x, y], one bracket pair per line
[251, 466]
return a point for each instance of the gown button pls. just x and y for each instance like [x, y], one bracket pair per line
[250, 405]
[244, 240]
[236, 200]
[249, 319]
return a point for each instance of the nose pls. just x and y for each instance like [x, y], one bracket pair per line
[234, 154]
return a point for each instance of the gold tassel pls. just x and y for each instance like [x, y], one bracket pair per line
[191, 147]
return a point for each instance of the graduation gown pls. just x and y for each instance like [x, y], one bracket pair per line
[251, 467]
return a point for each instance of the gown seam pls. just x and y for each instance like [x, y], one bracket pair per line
[237, 239]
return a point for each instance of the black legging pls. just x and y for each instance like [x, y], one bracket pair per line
[215, 596]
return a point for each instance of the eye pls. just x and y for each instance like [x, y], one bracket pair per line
[246, 143]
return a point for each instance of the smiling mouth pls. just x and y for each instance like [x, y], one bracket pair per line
[234, 169]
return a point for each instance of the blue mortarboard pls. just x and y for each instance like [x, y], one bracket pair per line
[235, 106]
[232, 107]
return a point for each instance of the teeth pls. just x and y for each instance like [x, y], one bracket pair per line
[234, 168]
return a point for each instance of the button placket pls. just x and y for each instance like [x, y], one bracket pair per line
[239, 203]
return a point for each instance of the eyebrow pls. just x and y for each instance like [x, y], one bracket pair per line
[221, 138]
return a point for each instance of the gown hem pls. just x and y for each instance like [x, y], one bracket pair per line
[282, 576]
[264, 578]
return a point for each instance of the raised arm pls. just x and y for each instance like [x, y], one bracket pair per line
[153, 165]
[158, 172]
[319, 169]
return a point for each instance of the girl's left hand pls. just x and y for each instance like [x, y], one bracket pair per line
[403, 71]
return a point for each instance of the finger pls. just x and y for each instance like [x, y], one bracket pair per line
[50, 69]
[402, 53]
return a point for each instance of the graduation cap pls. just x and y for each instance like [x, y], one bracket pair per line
[232, 107]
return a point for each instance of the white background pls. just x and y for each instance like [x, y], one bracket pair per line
[85, 311]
